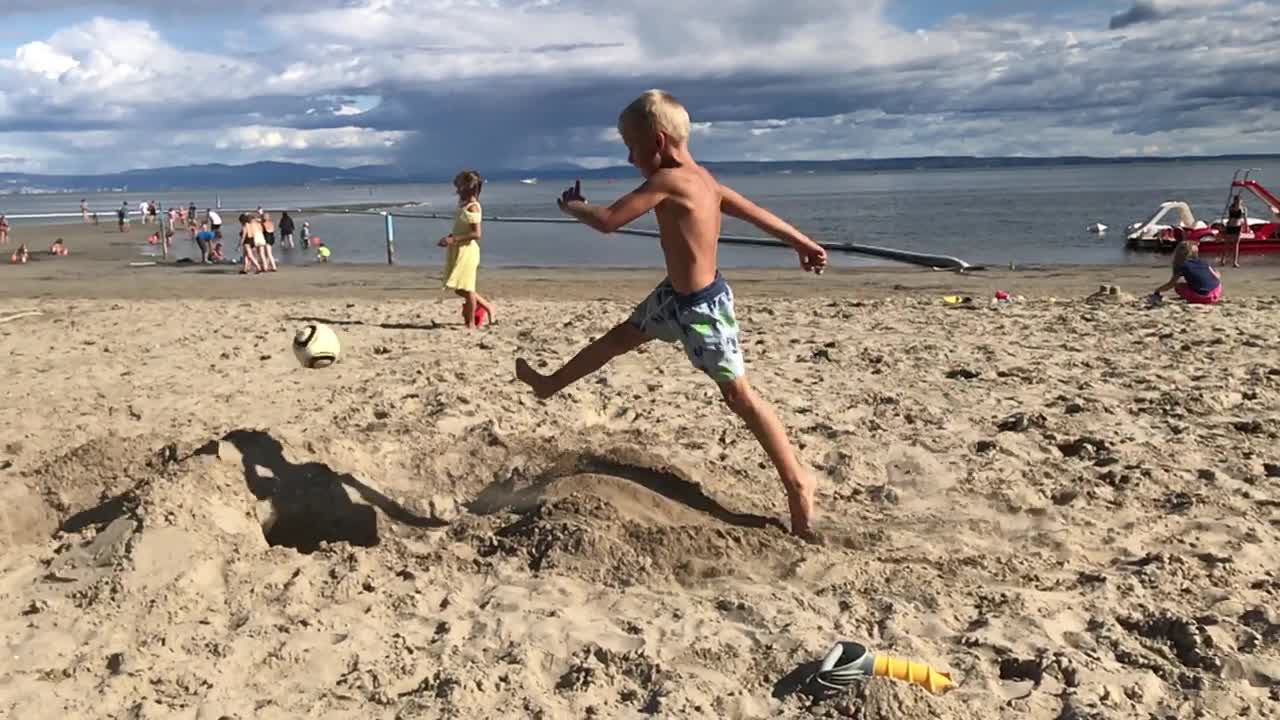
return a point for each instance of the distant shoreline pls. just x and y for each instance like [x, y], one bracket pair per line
[273, 174]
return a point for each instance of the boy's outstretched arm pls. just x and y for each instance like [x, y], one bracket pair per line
[812, 255]
[624, 210]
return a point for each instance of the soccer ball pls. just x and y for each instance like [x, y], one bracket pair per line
[316, 346]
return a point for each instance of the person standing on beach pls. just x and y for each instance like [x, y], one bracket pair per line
[286, 230]
[269, 235]
[251, 241]
[462, 261]
[694, 304]
[84, 210]
[215, 222]
[122, 216]
[204, 241]
[4, 230]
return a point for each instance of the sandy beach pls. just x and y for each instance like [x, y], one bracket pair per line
[1069, 503]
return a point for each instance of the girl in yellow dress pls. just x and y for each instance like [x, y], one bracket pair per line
[463, 259]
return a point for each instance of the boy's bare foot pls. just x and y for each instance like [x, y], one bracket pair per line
[801, 502]
[534, 379]
[811, 537]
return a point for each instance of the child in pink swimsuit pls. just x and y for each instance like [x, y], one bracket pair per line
[1195, 280]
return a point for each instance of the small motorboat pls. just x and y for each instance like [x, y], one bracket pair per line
[1097, 228]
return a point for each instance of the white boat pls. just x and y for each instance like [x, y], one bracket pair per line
[1097, 228]
[529, 181]
[1152, 231]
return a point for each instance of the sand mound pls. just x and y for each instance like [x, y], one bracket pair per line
[619, 518]
[198, 553]
[1110, 294]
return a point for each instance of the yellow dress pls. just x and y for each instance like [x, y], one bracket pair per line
[462, 261]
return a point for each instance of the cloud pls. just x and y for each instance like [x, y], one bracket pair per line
[1142, 11]
[260, 137]
[505, 83]
[1149, 11]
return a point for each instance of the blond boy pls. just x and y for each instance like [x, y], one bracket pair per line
[694, 305]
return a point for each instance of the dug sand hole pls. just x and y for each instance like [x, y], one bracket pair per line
[304, 515]
[301, 505]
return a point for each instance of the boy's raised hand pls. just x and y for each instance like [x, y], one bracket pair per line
[573, 194]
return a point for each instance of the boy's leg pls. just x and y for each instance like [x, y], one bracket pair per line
[623, 338]
[765, 425]
[711, 340]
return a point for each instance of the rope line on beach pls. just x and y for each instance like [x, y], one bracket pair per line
[945, 262]
[936, 262]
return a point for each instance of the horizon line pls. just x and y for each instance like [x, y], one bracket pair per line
[570, 167]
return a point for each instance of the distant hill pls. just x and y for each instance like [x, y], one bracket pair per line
[221, 177]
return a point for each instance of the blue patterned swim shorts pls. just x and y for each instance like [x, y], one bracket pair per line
[703, 322]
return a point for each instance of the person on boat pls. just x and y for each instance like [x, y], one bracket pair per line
[1195, 280]
[1237, 224]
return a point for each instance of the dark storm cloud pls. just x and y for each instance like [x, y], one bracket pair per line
[1141, 12]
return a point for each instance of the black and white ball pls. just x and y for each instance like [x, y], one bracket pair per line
[316, 346]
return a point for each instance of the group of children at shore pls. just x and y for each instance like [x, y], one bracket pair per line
[21, 255]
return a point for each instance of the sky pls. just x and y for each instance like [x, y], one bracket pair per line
[503, 84]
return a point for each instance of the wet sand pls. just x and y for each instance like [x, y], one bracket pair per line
[99, 268]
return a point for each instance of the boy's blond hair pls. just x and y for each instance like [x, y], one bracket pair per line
[657, 110]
